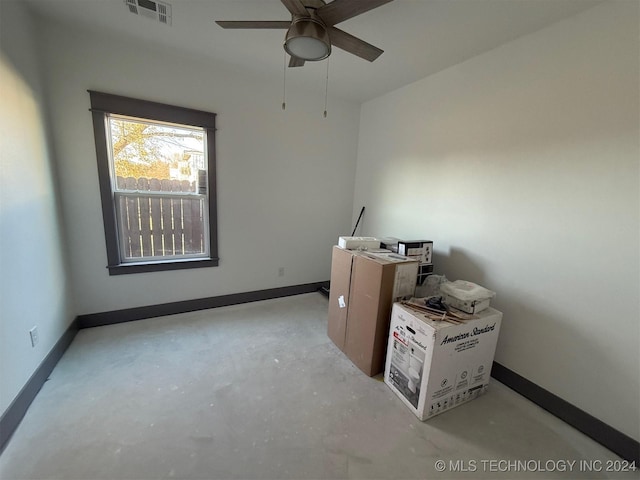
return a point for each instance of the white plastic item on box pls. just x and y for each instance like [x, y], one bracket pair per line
[434, 366]
[466, 290]
[358, 243]
[468, 306]
[466, 296]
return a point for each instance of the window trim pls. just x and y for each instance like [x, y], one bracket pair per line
[105, 103]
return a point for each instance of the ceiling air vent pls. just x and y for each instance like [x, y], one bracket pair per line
[158, 11]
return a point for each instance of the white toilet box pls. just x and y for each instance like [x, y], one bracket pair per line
[434, 366]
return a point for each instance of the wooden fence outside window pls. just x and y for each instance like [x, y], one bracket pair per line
[156, 224]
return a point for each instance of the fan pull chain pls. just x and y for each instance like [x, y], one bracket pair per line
[326, 90]
[284, 82]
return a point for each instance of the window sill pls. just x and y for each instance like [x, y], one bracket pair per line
[128, 268]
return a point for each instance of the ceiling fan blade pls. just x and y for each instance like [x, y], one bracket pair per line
[295, 7]
[341, 10]
[353, 45]
[254, 24]
[296, 62]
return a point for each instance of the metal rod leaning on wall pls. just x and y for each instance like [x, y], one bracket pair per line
[357, 222]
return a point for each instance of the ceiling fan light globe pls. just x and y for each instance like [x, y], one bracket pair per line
[307, 48]
[307, 39]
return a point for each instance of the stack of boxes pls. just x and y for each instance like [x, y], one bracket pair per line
[431, 365]
[364, 286]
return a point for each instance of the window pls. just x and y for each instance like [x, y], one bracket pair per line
[156, 168]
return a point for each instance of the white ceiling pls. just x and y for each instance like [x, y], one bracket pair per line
[419, 37]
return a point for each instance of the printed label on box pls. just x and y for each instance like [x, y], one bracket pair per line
[406, 364]
[341, 302]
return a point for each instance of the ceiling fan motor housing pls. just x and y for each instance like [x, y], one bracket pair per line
[307, 38]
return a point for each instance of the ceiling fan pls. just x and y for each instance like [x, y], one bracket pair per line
[311, 32]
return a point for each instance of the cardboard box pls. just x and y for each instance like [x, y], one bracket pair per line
[435, 366]
[363, 288]
[358, 243]
[424, 270]
[421, 250]
[341, 265]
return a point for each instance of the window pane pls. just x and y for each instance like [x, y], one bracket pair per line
[169, 162]
[155, 151]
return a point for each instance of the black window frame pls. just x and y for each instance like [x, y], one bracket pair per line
[103, 104]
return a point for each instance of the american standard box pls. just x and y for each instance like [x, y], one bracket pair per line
[435, 366]
[363, 288]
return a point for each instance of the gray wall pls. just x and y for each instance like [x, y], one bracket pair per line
[284, 191]
[522, 165]
[34, 285]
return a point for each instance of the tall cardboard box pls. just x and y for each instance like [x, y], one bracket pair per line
[434, 366]
[363, 288]
[341, 265]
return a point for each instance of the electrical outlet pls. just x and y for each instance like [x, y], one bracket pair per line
[281, 272]
[34, 336]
